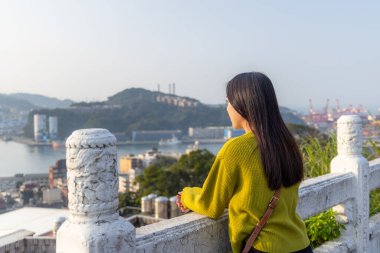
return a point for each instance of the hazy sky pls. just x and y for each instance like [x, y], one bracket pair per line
[89, 50]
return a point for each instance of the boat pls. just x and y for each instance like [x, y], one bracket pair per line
[172, 141]
[192, 148]
[56, 144]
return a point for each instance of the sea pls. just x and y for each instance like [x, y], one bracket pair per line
[18, 158]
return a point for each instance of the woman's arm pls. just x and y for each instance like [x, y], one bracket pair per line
[215, 194]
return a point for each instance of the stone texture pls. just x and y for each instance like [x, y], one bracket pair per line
[94, 224]
[349, 135]
[323, 193]
[187, 233]
[350, 159]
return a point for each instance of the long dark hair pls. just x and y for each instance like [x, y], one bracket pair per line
[252, 96]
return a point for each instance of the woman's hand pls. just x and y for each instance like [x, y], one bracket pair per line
[179, 203]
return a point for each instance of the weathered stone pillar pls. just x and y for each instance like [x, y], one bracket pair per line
[94, 225]
[350, 159]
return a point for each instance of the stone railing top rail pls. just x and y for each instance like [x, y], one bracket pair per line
[90, 138]
[374, 171]
[374, 163]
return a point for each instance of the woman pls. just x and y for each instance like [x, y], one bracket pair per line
[250, 168]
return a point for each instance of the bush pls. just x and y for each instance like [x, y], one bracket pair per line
[323, 227]
[374, 202]
[317, 154]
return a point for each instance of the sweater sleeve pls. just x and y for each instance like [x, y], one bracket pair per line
[215, 194]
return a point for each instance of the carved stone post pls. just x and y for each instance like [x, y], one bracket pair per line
[350, 159]
[94, 225]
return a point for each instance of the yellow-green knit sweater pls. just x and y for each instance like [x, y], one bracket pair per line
[237, 181]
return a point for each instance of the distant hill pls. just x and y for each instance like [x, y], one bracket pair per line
[43, 101]
[140, 109]
[289, 116]
[7, 101]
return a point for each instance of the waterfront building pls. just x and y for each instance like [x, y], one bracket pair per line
[123, 183]
[2, 202]
[131, 166]
[176, 100]
[40, 132]
[8, 184]
[231, 133]
[41, 179]
[52, 197]
[58, 172]
[53, 127]
[149, 157]
[28, 193]
[134, 186]
[129, 162]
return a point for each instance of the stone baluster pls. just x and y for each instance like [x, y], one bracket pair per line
[94, 225]
[350, 159]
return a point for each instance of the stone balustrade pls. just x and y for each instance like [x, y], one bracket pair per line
[94, 225]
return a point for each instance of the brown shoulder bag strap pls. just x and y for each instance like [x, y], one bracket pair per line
[272, 204]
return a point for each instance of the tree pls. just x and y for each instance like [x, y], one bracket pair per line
[192, 169]
[128, 199]
[166, 177]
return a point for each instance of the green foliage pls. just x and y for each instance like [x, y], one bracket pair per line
[317, 154]
[128, 199]
[193, 168]
[168, 177]
[372, 151]
[374, 202]
[323, 227]
[376, 147]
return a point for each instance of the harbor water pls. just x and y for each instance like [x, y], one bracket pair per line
[21, 158]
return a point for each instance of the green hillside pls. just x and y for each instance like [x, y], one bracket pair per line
[42, 101]
[137, 109]
[6, 101]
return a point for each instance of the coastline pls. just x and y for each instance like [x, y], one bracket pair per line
[31, 142]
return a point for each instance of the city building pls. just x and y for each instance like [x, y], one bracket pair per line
[11, 184]
[123, 183]
[131, 166]
[149, 157]
[40, 133]
[128, 162]
[176, 100]
[2, 202]
[29, 193]
[8, 184]
[57, 172]
[132, 175]
[231, 133]
[52, 197]
[53, 127]
[41, 179]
